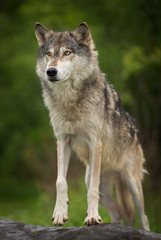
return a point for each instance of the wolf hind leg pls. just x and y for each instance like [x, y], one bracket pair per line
[107, 201]
[125, 201]
[135, 187]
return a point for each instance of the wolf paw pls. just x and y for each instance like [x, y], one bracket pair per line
[59, 217]
[92, 220]
[144, 223]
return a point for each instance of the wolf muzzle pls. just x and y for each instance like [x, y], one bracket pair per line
[52, 73]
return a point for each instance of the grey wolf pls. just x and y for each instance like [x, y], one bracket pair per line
[88, 118]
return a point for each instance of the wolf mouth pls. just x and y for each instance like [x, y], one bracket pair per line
[53, 79]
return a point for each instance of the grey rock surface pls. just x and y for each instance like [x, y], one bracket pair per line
[11, 230]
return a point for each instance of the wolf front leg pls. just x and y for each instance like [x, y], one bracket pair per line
[93, 176]
[60, 214]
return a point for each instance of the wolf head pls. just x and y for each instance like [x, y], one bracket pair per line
[64, 55]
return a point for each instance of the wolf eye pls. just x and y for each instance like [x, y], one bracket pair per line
[48, 53]
[67, 53]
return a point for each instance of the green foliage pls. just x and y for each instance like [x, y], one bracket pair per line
[128, 37]
[141, 72]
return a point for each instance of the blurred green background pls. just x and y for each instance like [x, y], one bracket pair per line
[128, 37]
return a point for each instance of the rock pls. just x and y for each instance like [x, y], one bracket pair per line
[11, 230]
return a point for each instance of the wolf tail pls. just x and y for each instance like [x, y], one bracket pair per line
[125, 202]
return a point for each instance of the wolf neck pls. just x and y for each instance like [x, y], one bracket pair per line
[71, 96]
[70, 105]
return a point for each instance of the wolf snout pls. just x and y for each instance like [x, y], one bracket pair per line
[51, 73]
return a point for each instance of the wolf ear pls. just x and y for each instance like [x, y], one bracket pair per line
[82, 34]
[42, 33]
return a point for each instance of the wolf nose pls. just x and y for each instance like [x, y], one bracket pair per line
[51, 72]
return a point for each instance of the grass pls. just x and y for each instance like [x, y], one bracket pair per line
[31, 205]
